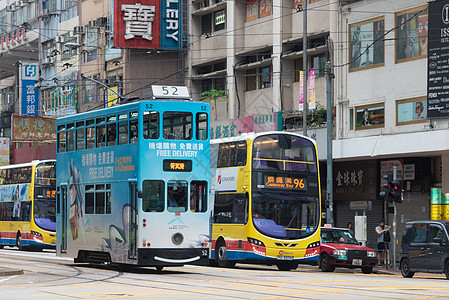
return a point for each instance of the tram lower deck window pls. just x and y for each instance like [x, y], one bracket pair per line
[153, 196]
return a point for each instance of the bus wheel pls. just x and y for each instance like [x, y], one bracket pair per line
[220, 256]
[19, 241]
[286, 265]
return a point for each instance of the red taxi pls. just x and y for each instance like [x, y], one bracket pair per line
[339, 248]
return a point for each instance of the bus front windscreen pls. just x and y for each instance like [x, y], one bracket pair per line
[45, 213]
[44, 210]
[284, 215]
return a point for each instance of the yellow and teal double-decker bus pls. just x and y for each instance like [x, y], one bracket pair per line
[27, 205]
[266, 193]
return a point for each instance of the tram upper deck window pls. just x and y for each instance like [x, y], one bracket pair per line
[79, 135]
[123, 129]
[133, 127]
[61, 138]
[201, 126]
[101, 132]
[177, 125]
[111, 129]
[151, 125]
[90, 134]
[70, 137]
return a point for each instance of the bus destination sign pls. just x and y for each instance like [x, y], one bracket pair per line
[172, 165]
[285, 182]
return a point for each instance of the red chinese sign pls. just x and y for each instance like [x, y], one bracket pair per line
[13, 38]
[137, 24]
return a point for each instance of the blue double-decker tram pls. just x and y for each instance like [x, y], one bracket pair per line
[132, 183]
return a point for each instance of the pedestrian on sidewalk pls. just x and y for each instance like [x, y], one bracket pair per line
[383, 242]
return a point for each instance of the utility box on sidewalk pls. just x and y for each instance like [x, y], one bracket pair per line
[361, 233]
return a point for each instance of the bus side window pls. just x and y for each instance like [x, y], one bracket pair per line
[201, 126]
[151, 125]
[123, 132]
[241, 153]
[133, 131]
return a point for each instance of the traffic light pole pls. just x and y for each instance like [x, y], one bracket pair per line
[394, 225]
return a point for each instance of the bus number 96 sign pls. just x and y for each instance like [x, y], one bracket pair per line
[282, 182]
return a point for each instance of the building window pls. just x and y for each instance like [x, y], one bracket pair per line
[319, 64]
[370, 116]
[367, 44]
[206, 24]
[259, 78]
[411, 34]
[217, 19]
[298, 68]
[258, 9]
[411, 111]
[220, 20]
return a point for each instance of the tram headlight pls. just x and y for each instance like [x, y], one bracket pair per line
[177, 238]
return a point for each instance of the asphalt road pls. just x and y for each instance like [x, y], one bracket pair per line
[46, 276]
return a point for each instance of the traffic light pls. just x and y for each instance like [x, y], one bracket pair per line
[396, 193]
[387, 195]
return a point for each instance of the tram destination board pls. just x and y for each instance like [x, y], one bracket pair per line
[177, 165]
[438, 60]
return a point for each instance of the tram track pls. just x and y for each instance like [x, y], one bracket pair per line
[188, 279]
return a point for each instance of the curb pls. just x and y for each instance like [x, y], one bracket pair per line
[10, 272]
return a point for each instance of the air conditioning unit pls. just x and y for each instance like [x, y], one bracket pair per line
[78, 30]
[71, 33]
[93, 24]
[21, 3]
[102, 21]
[28, 1]
[45, 12]
[11, 8]
[59, 39]
[48, 61]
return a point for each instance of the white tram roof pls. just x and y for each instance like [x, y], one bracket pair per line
[253, 135]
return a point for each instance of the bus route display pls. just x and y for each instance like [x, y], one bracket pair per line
[285, 182]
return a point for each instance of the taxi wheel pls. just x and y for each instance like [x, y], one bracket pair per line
[325, 265]
[446, 268]
[405, 269]
[220, 256]
[367, 270]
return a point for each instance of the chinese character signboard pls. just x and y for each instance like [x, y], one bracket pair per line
[29, 94]
[33, 128]
[148, 24]
[355, 181]
[268, 122]
[4, 151]
[437, 60]
[230, 128]
[111, 96]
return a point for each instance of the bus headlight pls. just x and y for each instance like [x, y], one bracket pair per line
[177, 238]
[256, 242]
[36, 233]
